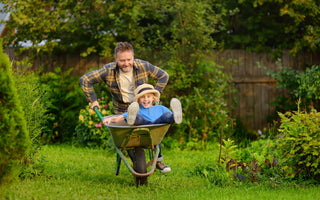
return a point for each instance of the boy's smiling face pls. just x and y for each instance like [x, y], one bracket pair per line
[147, 100]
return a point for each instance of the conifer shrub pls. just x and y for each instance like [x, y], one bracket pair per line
[14, 139]
[33, 99]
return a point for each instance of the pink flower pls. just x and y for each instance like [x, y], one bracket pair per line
[105, 106]
[98, 125]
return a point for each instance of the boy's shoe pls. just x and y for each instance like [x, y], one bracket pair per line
[177, 110]
[133, 110]
[163, 167]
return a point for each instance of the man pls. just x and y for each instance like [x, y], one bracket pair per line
[122, 77]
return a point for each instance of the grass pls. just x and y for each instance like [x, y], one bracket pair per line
[80, 173]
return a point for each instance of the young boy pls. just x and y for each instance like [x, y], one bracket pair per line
[143, 111]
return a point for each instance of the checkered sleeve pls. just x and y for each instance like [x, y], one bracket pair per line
[154, 72]
[160, 75]
[87, 81]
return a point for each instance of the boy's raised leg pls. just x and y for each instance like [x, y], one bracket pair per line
[176, 107]
[133, 110]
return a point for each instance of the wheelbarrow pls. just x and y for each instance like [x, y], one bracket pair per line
[135, 140]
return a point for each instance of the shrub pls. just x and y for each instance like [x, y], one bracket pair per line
[255, 164]
[90, 131]
[299, 144]
[65, 99]
[32, 97]
[14, 140]
[296, 84]
[203, 91]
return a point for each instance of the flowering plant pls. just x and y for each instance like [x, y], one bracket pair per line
[90, 131]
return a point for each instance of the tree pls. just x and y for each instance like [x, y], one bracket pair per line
[70, 26]
[261, 25]
[95, 26]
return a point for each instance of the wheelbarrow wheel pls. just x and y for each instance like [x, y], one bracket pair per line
[140, 166]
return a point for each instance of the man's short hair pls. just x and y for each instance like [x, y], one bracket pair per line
[123, 46]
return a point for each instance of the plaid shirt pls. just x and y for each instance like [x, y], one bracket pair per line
[109, 73]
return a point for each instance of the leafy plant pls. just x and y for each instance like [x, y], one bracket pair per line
[32, 96]
[299, 144]
[228, 149]
[204, 102]
[64, 100]
[216, 175]
[90, 131]
[255, 164]
[303, 85]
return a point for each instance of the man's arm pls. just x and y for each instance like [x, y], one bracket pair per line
[87, 81]
[155, 73]
[162, 77]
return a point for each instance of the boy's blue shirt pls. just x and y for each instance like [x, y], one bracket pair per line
[152, 113]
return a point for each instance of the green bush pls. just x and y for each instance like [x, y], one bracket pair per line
[64, 100]
[32, 97]
[256, 164]
[90, 131]
[297, 84]
[299, 144]
[14, 139]
[203, 91]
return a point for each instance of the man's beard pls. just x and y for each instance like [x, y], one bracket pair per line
[126, 68]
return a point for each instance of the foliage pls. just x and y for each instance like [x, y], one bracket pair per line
[90, 131]
[255, 164]
[272, 24]
[227, 149]
[204, 102]
[14, 140]
[32, 98]
[33, 165]
[304, 23]
[65, 26]
[216, 175]
[304, 85]
[180, 29]
[64, 100]
[299, 144]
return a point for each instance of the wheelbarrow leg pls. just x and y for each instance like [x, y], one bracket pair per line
[118, 162]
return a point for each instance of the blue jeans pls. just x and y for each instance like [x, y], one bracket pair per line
[165, 118]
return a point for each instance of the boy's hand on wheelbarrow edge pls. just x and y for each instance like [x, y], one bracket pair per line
[95, 104]
[115, 119]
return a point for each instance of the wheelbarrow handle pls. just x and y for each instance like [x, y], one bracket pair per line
[98, 112]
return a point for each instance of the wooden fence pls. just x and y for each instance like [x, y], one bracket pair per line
[255, 89]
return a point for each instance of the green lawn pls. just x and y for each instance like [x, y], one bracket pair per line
[79, 173]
